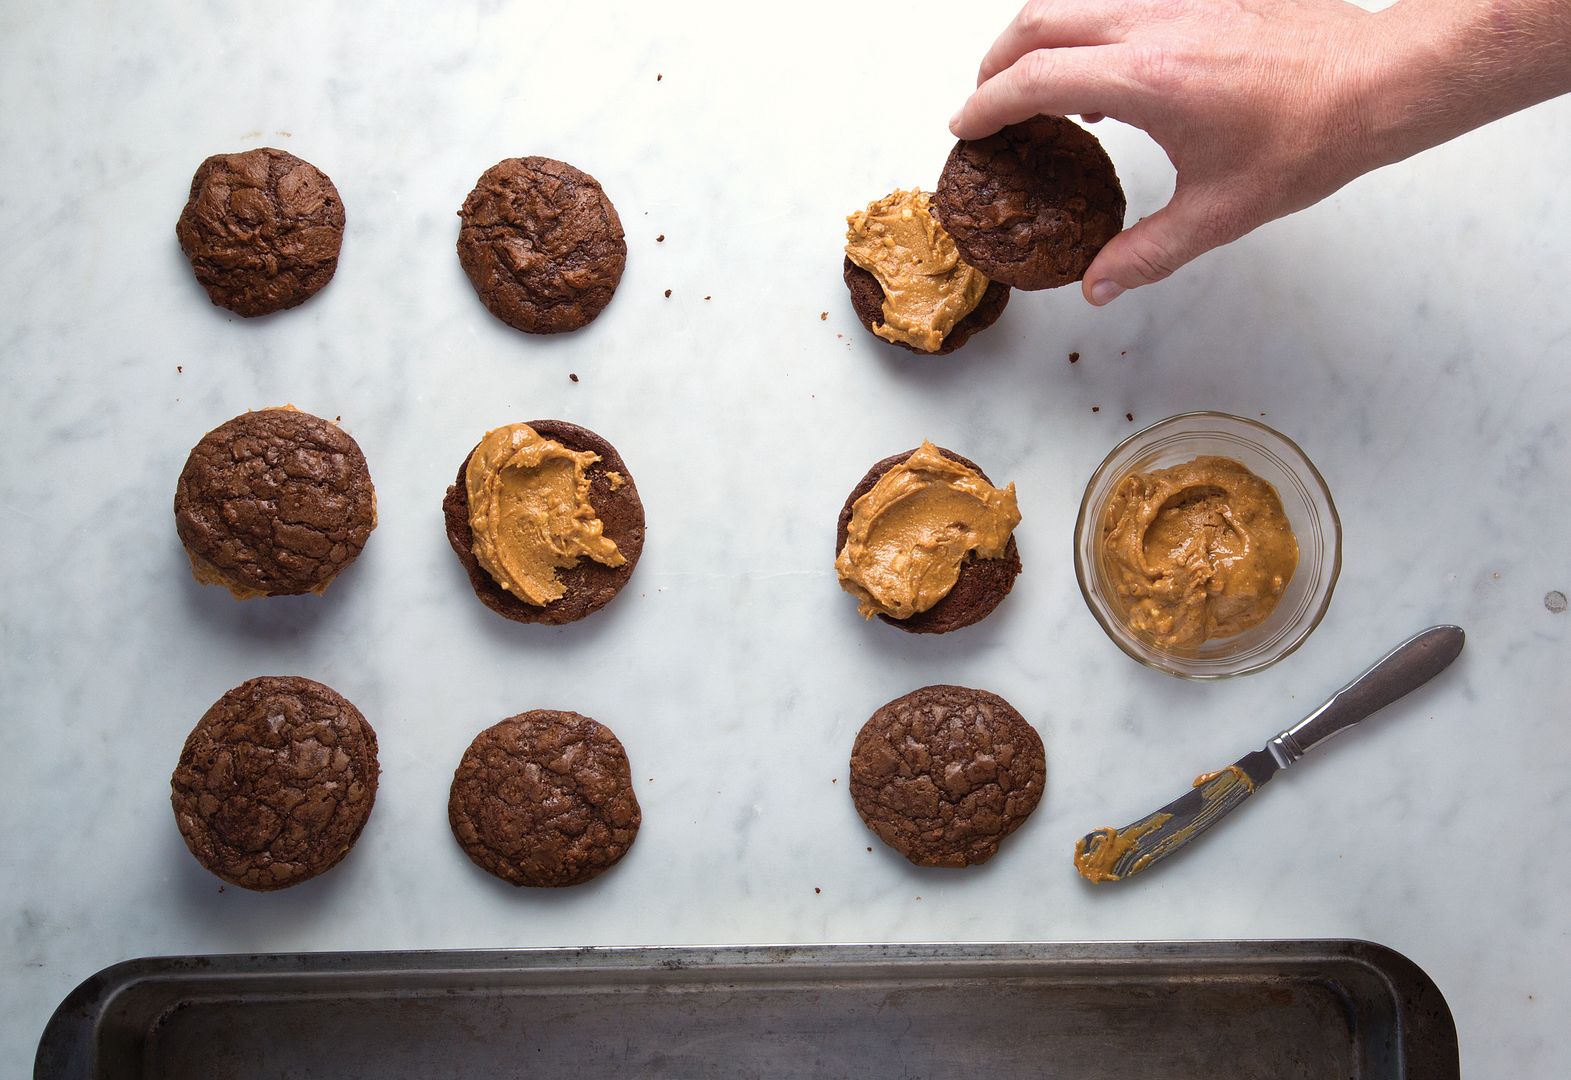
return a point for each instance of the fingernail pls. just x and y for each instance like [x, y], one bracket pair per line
[1105, 291]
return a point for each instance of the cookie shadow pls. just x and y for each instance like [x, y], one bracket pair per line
[956, 649]
[990, 349]
[200, 301]
[232, 918]
[265, 618]
[566, 638]
[531, 896]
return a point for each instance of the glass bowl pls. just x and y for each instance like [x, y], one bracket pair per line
[1274, 458]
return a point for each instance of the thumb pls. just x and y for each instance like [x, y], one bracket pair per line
[1155, 246]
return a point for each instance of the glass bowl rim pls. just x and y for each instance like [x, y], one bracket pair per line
[1118, 635]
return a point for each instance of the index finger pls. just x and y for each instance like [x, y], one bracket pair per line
[1062, 82]
[1047, 24]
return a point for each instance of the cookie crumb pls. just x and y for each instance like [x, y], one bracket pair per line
[706, 298]
[1130, 417]
[573, 375]
[1074, 358]
[668, 294]
[660, 239]
[339, 419]
[816, 889]
[1555, 601]
[179, 369]
[869, 849]
[1096, 408]
[658, 77]
[220, 888]
[823, 316]
[1124, 353]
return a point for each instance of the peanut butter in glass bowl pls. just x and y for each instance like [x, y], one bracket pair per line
[1252, 500]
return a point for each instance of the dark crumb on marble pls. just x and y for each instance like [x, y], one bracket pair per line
[919, 898]
[1096, 408]
[869, 849]
[816, 889]
[836, 780]
[823, 316]
[1555, 601]
[1074, 358]
[839, 335]
[1130, 417]
[339, 419]
[179, 369]
[668, 294]
[573, 375]
[220, 888]
[706, 298]
[658, 77]
[660, 239]
[1124, 353]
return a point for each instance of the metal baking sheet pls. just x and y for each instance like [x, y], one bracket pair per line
[1280, 1010]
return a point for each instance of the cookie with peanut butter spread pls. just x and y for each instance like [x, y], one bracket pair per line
[908, 284]
[945, 773]
[274, 503]
[275, 782]
[262, 230]
[1032, 204]
[561, 525]
[970, 558]
[544, 798]
[542, 244]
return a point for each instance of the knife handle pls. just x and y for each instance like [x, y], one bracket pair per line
[1401, 671]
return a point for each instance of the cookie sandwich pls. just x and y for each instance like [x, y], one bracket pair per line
[926, 542]
[546, 521]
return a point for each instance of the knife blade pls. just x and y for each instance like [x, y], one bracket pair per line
[1110, 854]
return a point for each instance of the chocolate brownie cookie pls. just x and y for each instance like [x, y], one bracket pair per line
[867, 298]
[944, 773]
[1032, 205]
[544, 798]
[590, 585]
[274, 503]
[262, 230]
[541, 244]
[983, 583]
[275, 782]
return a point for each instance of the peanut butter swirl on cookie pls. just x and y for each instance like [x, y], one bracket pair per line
[530, 513]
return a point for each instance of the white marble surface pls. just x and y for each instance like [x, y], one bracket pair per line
[1412, 333]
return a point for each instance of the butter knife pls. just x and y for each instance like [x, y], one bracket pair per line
[1116, 854]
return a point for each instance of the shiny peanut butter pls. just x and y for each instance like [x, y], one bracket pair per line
[530, 513]
[1197, 551]
[927, 287]
[1096, 861]
[910, 533]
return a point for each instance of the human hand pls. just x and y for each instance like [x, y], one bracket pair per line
[1263, 106]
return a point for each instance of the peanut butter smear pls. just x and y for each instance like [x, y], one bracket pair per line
[1229, 776]
[910, 533]
[530, 513]
[1197, 551]
[927, 287]
[1095, 861]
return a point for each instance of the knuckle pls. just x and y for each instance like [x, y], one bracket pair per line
[1152, 67]
[1035, 18]
[1153, 261]
[1037, 70]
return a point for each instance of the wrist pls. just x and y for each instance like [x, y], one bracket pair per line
[1439, 68]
